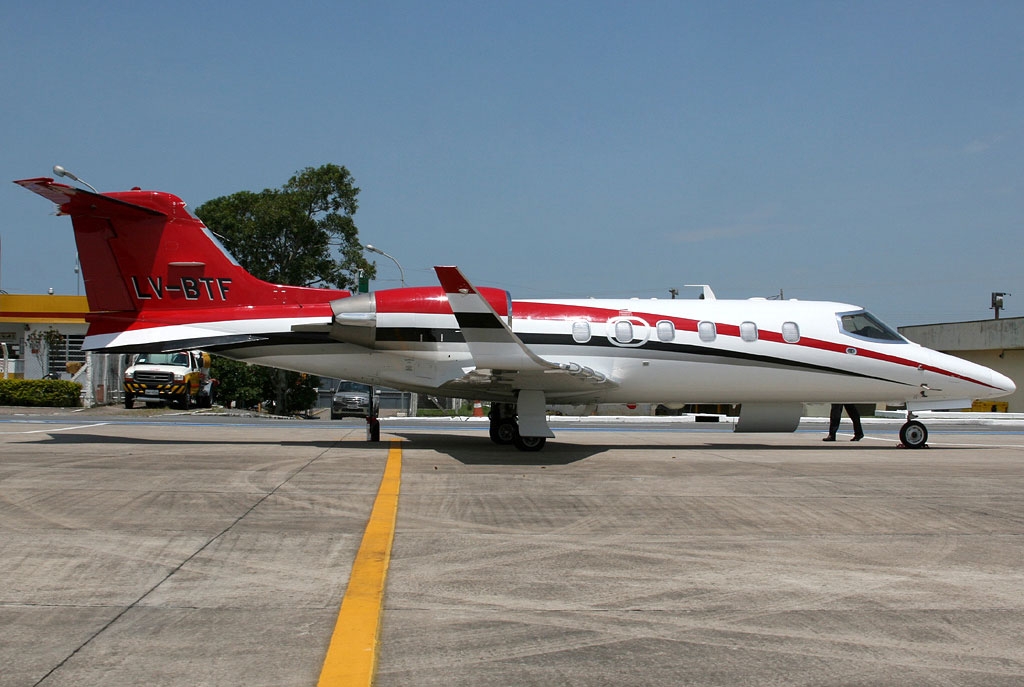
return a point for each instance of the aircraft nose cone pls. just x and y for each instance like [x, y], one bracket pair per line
[984, 382]
[1003, 382]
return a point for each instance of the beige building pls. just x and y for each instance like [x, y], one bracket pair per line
[42, 334]
[998, 344]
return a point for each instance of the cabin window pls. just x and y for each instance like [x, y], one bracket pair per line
[624, 331]
[790, 332]
[748, 331]
[581, 331]
[666, 331]
[707, 331]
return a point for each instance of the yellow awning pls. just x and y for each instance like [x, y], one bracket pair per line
[43, 309]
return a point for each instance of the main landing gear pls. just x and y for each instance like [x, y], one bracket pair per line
[913, 434]
[373, 421]
[372, 428]
[505, 428]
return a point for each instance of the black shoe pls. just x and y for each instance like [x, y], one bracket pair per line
[857, 437]
[829, 438]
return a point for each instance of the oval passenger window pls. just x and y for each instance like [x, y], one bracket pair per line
[624, 331]
[581, 331]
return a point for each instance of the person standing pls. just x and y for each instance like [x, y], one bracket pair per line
[836, 415]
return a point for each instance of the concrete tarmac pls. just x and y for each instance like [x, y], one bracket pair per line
[179, 551]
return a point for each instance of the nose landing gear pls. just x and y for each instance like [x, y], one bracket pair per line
[913, 434]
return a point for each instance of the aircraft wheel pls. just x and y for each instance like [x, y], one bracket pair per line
[372, 429]
[913, 434]
[529, 443]
[503, 430]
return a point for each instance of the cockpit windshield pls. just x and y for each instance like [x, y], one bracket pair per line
[865, 325]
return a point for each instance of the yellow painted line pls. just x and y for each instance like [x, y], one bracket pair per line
[352, 655]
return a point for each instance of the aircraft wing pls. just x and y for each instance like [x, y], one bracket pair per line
[496, 349]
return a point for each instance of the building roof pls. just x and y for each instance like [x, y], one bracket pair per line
[980, 335]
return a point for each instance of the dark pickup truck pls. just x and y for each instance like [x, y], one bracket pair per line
[352, 399]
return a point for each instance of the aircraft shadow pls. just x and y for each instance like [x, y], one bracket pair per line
[471, 450]
[73, 438]
[479, 450]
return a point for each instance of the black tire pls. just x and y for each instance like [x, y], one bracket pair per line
[372, 429]
[529, 444]
[129, 401]
[913, 434]
[503, 431]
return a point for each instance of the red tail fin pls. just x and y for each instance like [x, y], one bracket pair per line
[165, 257]
[146, 259]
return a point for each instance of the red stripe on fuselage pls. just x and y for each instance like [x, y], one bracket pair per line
[559, 311]
[432, 300]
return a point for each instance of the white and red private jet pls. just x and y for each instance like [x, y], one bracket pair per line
[158, 280]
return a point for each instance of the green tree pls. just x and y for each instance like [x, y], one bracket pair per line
[302, 234]
[238, 382]
[252, 385]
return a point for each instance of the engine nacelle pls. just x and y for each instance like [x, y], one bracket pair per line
[356, 318]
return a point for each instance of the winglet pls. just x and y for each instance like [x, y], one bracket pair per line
[453, 281]
[491, 341]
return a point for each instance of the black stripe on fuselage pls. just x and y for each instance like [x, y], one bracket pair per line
[406, 335]
[477, 320]
[675, 349]
[419, 335]
[424, 335]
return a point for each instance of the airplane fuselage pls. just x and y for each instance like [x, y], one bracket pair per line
[659, 351]
[157, 279]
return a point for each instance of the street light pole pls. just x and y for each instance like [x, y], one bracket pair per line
[374, 249]
[61, 172]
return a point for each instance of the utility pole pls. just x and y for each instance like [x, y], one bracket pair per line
[997, 301]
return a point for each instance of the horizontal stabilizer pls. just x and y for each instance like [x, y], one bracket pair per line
[75, 201]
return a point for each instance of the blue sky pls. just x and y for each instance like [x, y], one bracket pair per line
[867, 152]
